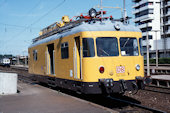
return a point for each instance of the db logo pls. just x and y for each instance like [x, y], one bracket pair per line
[120, 69]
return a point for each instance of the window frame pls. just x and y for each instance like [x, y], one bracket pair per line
[90, 46]
[133, 51]
[117, 43]
[64, 49]
[35, 55]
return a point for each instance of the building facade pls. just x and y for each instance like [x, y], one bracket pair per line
[165, 18]
[153, 18]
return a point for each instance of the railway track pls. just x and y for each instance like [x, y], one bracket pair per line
[136, 105]
[25, 79]
[19, 67]
[108, 102]
[153, 88]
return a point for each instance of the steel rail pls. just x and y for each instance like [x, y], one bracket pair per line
[160, 87]
[157, 89]
[137, 105]
[20, 68]
[28, 80]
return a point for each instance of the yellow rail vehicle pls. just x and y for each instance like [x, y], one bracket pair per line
[92, 56]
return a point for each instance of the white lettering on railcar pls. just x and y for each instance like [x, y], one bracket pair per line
[71, 73]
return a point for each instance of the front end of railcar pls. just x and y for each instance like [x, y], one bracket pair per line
[126, 70]
[118, 65]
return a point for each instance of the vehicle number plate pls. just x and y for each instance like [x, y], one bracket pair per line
[120, 69]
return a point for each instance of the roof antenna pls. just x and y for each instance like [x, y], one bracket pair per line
[101, 8]
[124, 8]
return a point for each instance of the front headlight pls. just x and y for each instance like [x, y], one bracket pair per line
[137, 67]
[92, 12]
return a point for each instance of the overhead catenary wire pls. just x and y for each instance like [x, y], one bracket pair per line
[16, 26]
[19, 26]
[17, 35]
[29, 12]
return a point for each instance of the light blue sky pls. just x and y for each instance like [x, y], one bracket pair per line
[21, 20]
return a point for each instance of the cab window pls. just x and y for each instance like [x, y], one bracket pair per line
[129, 46]
[88, 47]
[107, 46]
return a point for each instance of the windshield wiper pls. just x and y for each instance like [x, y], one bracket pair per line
[126, 42]
[104, 52]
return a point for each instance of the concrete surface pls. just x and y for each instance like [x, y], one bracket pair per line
[159, 68]
[161, 77]
[38, 99]
[8, 83]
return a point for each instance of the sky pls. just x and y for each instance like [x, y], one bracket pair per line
[21, 20]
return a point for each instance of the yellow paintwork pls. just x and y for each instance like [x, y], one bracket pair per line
[65, 19]
[40, 33]
[64, 68]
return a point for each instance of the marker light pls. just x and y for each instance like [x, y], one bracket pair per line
[117, 26]
[101, 69]
[92, 12]
[137, 67]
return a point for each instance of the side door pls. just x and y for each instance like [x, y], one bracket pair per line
[77, 58]
[50, 59]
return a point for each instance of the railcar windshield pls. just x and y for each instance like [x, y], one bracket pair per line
[129, 46]
[141, 46]
[107, 46]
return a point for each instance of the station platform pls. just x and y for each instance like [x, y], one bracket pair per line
[158, 70]
[161, 80]
[161, 77]
[39, 99]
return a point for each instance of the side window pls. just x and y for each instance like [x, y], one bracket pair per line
[64, 50]
[35, 55]
[88, 47]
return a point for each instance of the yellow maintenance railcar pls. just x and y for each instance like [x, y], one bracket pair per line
[91, 55]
